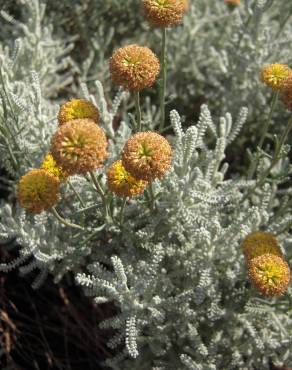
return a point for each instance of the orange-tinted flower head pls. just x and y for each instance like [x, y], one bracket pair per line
[134, 67]
[269, 274]
[122, 183]
[79, 146]
[164, 13]
[147, 156]
[38, 190]
[77, 109]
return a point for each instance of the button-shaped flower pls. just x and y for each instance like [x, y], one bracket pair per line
[38, 190]
[79, 146]
[273, 75]
[134, 67]
[147, 156]
[122, 183]
[77, 109]
[269, 274]
[164, 13]
[258, 243]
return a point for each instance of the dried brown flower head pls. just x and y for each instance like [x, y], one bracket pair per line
[164, 13]
[134, 67]
[38, 190]
[147, 155]
[77, 109]
[79, 146]
[269, 274]
[122, 183]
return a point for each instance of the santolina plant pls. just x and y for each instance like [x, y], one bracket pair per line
[145, 215]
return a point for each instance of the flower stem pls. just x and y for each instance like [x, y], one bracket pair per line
[64, 221]
[122, 210]
[163, 80]
[138, 111]
[253, 165]
[76, 193]
[100, 190]
[152, 197]
[274, 161]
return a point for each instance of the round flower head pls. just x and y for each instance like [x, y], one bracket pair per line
[259, 243]
[147, 155]
[269, 274]
[164, 13]
[50, 165]
[122, 183]
[286, 93]
[273, 75]
[38, 190]
[77, 109]
[79, 146]
[134, 67]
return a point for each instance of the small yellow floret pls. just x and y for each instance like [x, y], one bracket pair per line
[273, 75]
[122, 183]
[50, 165]
[258, 243]
[77, 109]
[38, 190]
[269, 274]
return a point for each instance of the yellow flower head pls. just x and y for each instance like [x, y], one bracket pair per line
[50, 165]
[79, 146]
[134, 67]
[122, 183]
[273, 75]
[259, 243]
[77, 109]
[269, 274]
[164, 13]
[286, 93]
[38, 190]
[147, 155]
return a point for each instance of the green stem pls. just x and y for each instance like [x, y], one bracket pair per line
[122, 210]
[275, 159]
[253, 165]
[90, 236]
[97, 184]
[163, 80]
[138, 111]
[63, 221]
[267, 124]
[76, 193]
[100, 190]
[152, 197]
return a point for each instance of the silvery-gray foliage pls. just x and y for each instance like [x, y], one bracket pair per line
[174, 268]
